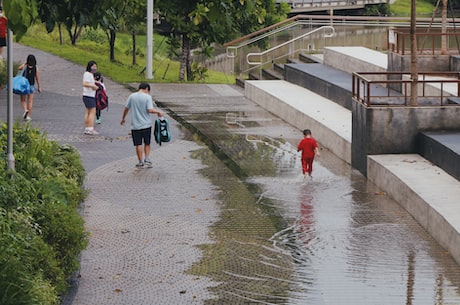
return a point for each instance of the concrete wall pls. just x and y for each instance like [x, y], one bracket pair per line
[432, 63]
[394, 130]
[454, 63]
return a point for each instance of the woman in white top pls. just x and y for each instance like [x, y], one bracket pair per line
[89, 97]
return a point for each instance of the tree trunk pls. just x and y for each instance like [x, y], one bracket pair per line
[413, 55]
[61, 38]
[185, 58]
[133, 36]
[444, 28]
[113, 35]
[75, 35]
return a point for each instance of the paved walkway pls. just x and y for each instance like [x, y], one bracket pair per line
[143, 231]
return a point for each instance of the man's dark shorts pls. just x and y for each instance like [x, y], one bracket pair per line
[2, 42]
[141, 135]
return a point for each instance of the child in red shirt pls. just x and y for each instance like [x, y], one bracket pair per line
[309, 148]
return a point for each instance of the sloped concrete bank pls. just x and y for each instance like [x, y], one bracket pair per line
[426, 191]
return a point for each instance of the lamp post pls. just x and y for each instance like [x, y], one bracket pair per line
[10, 155]
[148, 70]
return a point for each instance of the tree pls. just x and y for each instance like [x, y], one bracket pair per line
[200, 23]
[74, 14]
[21, 14]
[133, 19]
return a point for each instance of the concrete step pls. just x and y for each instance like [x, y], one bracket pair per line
[271, 74]
[427, 192]
[279, 68]
[442, 148]
[325, 81]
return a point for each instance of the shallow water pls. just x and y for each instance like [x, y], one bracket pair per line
[283, 239]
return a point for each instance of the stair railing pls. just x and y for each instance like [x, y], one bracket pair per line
[289, 42]
[257, 60]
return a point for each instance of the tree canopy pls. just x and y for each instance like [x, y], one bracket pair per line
[199, 23]
[194, 23]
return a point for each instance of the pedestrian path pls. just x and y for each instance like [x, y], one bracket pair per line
[144, 224]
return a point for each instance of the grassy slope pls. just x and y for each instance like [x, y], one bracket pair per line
[403, 8]
[94, 46]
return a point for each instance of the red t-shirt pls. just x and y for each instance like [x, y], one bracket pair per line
[3, 26]
[307, 146]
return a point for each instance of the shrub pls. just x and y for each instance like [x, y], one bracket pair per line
[39, 222]
[25, 260]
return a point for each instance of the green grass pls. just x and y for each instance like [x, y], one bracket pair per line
[403, 8]
[93, 45]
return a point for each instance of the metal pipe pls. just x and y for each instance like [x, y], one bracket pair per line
[10, 155]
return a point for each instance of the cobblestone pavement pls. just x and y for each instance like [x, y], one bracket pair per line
[143, 230]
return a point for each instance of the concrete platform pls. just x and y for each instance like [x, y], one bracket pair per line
[356, 59]
[427, 192]
[443, 149]
[330, 123]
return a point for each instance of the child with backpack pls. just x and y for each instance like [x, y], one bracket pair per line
[102, 100]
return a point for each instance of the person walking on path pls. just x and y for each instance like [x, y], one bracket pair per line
[141, 105]
[309, 147]
[89, 97]
[30, 71]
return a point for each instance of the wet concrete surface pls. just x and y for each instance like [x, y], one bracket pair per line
[234, 223]
[281, 239]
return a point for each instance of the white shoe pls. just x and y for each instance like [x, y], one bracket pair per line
[91, 132]
[148, 162]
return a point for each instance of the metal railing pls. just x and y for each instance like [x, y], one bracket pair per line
[290, 43]
[345, 29]
[393, 89]
[428, 43]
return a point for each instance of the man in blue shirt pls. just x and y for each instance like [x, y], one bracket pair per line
[141, 105]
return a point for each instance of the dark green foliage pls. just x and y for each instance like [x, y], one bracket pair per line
[42, 233]
[27, 263]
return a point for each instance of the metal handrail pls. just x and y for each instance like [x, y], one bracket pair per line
[433, 89]
[232, 51]
[287, 43]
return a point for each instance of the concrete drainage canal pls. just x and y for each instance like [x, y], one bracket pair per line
[281, 239]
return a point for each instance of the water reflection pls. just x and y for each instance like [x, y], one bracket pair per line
[335, 239]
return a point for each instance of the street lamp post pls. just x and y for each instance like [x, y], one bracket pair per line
[148, 68]
[10, 155]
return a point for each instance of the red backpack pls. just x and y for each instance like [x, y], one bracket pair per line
[102, 100]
